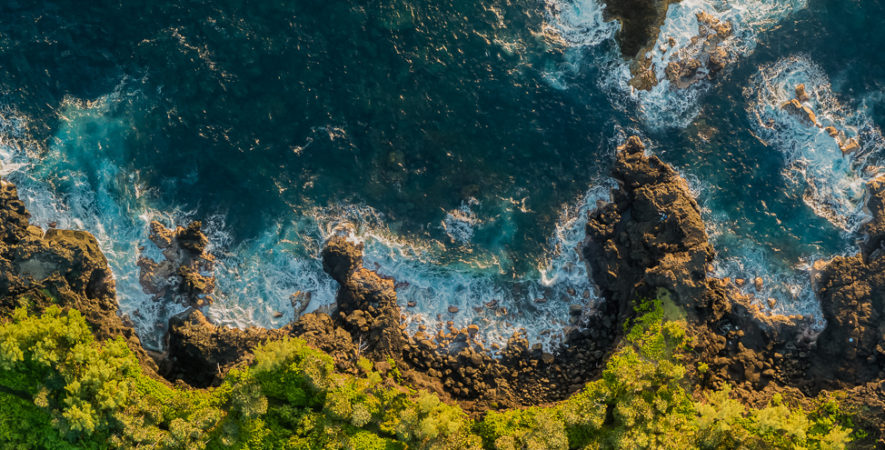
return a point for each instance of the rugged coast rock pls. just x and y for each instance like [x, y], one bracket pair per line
[199, 353]
[650, 240]
[703, 57]
[706, 55]
[650, 236]
[640, 22]
[367, 323]
[185, 274]
[851, 290]
[40, 268]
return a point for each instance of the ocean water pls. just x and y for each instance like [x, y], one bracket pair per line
[464, 142]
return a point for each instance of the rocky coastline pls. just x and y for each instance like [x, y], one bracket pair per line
[649, 241]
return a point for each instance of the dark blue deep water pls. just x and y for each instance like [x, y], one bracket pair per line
[462, 141]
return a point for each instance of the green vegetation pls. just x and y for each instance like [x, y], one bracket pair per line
[641, 402]
[61, 389]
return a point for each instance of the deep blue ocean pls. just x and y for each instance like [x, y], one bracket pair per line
[464, 142]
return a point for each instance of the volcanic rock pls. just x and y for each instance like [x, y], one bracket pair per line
[58, 267]
[650, 236]
[185, 274]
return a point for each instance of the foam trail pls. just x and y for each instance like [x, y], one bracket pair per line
[75, 183]
[834, 183]
[578, 22]
[667, 106]
[459, 223]
[256, 279]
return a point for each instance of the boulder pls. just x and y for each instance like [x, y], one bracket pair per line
[800, 111]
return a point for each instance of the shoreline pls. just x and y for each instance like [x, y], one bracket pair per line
[649, 241]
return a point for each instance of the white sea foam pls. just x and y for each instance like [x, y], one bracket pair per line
[834, 184]
[75, 183]
[666, 106]
[537, 303]
[106, 201]
[786, 287]
[255, 278]
[459, 223]
[579, 24]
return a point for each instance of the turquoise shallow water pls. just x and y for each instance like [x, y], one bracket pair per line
[464, 142]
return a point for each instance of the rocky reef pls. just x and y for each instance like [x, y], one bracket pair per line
[705, 55]
[648, 242]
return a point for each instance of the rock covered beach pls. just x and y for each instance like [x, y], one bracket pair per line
[650, 241]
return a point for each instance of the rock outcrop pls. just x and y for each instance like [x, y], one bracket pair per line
[651, 241]
[650, 236]
[851, 290]
[199, 353]
[185, 274]
[640, 21]
[704, 57]
[58, 267]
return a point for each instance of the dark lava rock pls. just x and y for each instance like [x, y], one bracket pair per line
[58, 267]
[640, 22]
[200, 353]
[650, 236]
[341, 258]
[185, 274]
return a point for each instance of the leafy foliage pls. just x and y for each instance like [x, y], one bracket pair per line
[61, 389]
[641, 402]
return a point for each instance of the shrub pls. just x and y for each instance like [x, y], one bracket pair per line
[61, 389]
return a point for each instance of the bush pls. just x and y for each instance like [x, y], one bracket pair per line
[61, 389]
[641, 402]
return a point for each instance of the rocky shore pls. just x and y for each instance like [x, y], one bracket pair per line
[650, 241]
